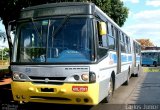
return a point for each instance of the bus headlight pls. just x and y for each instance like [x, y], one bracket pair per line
[92, 77]
[85, 77]
[16, 76]
[19, 76]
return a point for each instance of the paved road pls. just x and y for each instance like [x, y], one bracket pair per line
[141, 93]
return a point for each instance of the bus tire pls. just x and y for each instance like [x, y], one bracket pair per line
[110, 92]
[136, 75]
[138, 72]
[155, 64]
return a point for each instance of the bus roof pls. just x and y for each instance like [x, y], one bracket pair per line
[56, 9]
[148, 51]
[61, 4]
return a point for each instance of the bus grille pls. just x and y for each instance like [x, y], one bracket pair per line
[50, 78]
[47, 80]
[40, 82]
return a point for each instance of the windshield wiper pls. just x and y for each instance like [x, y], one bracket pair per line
[35, 28]
[60, 26]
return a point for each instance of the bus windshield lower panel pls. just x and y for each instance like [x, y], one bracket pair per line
[55, 40]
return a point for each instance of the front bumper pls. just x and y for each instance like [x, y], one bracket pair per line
[60, 94]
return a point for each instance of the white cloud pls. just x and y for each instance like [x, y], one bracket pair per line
[145, 24]
[130, 13]
[1, 26]
[154, 3]
[148, 15]
[132, 1]
[144, 31]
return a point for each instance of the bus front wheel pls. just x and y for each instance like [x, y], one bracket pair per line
[110, 91]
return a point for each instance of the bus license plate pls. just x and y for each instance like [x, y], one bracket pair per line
[80, 88]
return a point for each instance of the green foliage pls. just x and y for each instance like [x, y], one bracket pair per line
[2, 36]
[5, 53]
[10, 9]
[119, 13]
[147, 69]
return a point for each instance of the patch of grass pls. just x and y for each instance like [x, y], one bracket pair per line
[151, 69]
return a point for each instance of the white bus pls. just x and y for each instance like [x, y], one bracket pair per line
[70, 53]
[150, 57]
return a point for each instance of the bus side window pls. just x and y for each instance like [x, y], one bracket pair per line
[122, 43]
[102, 33]
[111, 43]
[109, 29]
[102, 44]
[99, 36]
[129, 45]
[112, 28]
[107, 26]
[126, 44]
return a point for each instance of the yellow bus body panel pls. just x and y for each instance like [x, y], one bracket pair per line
[62, 94]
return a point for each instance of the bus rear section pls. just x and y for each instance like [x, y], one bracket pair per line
[136, 55]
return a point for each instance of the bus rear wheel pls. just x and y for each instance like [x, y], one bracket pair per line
[138, 72]
[155, 64]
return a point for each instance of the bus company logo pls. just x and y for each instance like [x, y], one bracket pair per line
[28, 70]
[46, 80]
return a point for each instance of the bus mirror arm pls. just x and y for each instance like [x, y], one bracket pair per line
[10, 28]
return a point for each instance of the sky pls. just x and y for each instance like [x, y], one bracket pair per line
[143, 21]
[2, 44]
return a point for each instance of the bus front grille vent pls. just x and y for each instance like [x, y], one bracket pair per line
[50, 98]
[49, 78]
[53, 83]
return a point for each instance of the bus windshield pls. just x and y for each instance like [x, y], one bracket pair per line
[55, 40]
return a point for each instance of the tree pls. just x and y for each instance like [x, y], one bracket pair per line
[10, 10]
[119, 13]
[5, 53]
[145, 43]
[114, 9]
[2, 35]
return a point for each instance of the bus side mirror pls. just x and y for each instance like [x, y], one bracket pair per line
[102, 28]
[11, 27]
